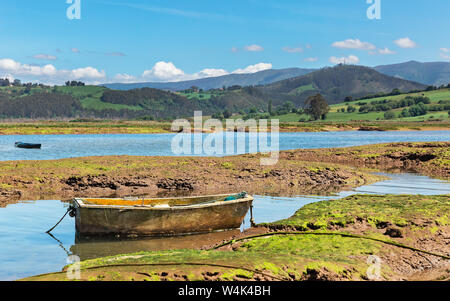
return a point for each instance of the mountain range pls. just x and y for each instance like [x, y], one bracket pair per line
[434, 73]
[248, 79]
[334, 83]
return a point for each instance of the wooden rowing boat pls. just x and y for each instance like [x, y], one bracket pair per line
[27, 145]
[162, 216]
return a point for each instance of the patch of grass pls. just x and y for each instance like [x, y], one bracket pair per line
[318, 247]
[302, 89]
[227, 165]
[400, 210]
[97, 104]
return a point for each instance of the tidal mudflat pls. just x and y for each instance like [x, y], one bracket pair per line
[326, 240]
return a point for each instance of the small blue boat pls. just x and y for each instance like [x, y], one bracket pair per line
[27, 145]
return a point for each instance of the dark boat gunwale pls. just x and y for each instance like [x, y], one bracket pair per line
[81, 204]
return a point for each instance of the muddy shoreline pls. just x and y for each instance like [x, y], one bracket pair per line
[153, 127]
[297, 172]
[327, 241]
[324, 241]
[121, 176]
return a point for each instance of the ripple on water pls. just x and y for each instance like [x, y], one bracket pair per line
[69, 146]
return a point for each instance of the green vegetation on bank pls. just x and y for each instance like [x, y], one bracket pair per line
[418, 106]
[376, 210]
[93, 126]
[321, 253]
[84, 126]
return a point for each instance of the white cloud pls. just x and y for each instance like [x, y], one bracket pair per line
[17, 69]
[210, 73]
[405, 43]
[351, 59]
[254, 48]
[88, 72]
[353, 44]
[445, 56]
[254, 68]
[161, 72]
[444, 53]
[293, 50]
[48, 73]
[234, 49]
[168, 72]
[386, 51]
[124, 78]
[43, 56]
[164, 71]
[311, 59]
[75, 50]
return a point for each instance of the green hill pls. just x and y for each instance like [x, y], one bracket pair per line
[337, 83]
[437, 109]
[433, 73]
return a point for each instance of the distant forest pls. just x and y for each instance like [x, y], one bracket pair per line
[77, 100]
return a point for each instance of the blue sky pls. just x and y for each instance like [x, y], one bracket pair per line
[156, 40]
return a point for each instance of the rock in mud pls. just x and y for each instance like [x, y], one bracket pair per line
[85, 182]
[323, 274]
[175, 184]
[393, 232]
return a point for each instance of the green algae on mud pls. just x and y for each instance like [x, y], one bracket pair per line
[297, 172]
[311, 256]
[161, 176]
[376, 210]
[240, 264]
[429, 158]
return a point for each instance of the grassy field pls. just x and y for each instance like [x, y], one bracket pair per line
[83, 127]
[302, 89]
[90, 98]
[335, 115]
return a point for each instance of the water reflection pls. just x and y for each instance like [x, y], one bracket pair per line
[94, 247]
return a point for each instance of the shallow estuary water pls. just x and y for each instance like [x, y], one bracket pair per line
[26, 250]
[69, 146]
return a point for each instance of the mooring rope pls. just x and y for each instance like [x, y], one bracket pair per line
[71, 208]
[330, 233]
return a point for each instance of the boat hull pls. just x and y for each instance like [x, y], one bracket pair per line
[28, 145]
[144, 221]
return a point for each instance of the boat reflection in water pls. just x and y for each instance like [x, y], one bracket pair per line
[91, 247]
[160, 217]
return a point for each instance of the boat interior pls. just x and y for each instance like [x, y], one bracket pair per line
[171, 202]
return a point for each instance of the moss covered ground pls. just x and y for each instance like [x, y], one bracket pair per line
[321, 253]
